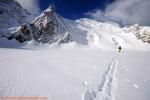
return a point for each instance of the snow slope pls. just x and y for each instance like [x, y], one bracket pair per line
[104, 35]
[87, 68]
[12, 14]
[74, 73]
[56, 73]
[133, 80]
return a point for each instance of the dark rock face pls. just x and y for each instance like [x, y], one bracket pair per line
[24, 34]
[47, 28]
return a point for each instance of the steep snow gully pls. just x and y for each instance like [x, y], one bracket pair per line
[106, 89]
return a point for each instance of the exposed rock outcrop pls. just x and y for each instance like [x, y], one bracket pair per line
[141, 32]
[47, 28]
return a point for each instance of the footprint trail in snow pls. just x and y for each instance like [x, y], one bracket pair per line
[106, 89]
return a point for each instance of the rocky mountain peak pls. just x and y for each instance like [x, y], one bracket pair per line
[49, 27]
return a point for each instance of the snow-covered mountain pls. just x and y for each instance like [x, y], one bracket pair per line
[12, 14]
[106, 35]
[49, 28]
[46, 28]
[141, 32]
[87, 65]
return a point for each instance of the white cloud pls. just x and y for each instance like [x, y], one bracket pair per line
[127, 11]
[31, 5]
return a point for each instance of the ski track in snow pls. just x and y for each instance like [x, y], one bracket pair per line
[106, 89]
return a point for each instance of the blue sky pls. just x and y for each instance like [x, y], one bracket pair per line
[121, 11]
[74, 9]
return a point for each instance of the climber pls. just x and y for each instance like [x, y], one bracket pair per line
[119, 49]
